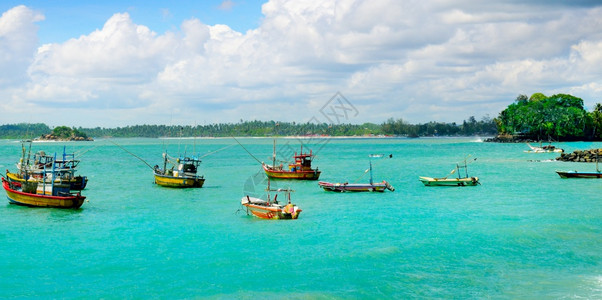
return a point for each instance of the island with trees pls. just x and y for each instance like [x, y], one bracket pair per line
[560, 117]
[392, 127]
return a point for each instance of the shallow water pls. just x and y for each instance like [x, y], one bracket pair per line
[523, 233]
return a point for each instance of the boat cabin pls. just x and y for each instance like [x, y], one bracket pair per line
[302, 162]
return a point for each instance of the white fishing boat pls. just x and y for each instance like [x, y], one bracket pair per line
[543, 149]
[458, 181]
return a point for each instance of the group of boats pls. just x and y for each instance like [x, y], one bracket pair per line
[44, 180]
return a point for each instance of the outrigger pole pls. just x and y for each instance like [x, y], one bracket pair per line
[132, 154]
[253, 156]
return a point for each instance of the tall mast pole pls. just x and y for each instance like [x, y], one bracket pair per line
[371, 182]
[274, 156]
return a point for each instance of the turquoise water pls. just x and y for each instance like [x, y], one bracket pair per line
[523, 233]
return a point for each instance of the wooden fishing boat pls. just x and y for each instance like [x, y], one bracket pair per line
[468, 181]
[37, 168]
[459, 181]
[301, 169]
[182, 174]
[271, 208]
[543, 149]
[578, 174]
[358, 187]
[40, 194]
[76, 183]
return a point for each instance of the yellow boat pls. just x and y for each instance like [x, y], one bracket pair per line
[39, 194]
[76, 183]
[183, 173]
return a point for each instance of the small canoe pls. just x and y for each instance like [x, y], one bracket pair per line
[466, 181]
[356, 187]
[577, 174]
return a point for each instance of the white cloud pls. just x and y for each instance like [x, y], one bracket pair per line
[18, 42]
[226, 5]
[417, 60]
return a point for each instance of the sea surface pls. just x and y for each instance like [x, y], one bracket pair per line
[523, 233]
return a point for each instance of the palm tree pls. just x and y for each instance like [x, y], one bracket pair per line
[597, 118]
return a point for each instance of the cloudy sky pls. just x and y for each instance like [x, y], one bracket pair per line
[110, 63]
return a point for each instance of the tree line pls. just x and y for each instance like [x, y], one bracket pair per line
[559, 117]
[391, 127]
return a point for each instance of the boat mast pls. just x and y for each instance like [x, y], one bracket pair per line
[273, 157]
[53, 170]
[28, 156]
[268, 190]
[371, 182]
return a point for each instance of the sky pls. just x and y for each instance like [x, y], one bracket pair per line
[119, 63]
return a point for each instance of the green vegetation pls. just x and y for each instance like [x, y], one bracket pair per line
[243, 128]
[259, 128]
[486, 126]
[273, 128]
[39, 130]
[559, 117]
[66, 133]
[23, 131]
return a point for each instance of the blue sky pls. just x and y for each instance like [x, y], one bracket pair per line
[113, 63]
[69, 19]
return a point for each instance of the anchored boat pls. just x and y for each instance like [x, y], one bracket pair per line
[40, 194]
[182, 174]
[271, 208]
[300, 169]
[358, 187]
[458, 181]
[37, 168]
[543, 149]
[43, 192]
[578, 174]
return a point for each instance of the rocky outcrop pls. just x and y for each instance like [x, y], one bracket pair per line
[508, 138]
[51, 137]
[581, 155]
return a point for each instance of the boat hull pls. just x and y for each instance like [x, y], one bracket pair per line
[469, 181]
[76, 183]
[299, 174]
[575, 174]
[179, 182]
[35, 200]
[270, 212]
[355, 187]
